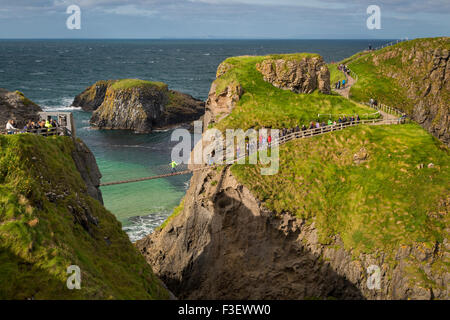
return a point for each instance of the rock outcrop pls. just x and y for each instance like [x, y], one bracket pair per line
[300, 76]
[15, 106]
[225, 245]
[220, 104]
[86, 164]
[137, 105]
[92, 97]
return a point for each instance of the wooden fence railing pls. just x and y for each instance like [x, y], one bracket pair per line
[41, 131]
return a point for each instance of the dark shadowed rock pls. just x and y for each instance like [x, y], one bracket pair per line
[87, 166]
[15, 106]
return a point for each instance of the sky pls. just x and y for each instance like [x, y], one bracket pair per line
[225, 19]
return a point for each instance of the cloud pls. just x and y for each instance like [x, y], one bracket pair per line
[131, 10]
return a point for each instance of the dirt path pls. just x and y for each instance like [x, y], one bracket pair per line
[345, 92]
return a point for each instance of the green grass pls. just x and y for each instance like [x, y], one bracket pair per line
[40, 238]
[137, 83]
[335, 74]
[175, 213]
[25, 100]
[388, 74]
[374, 206]
[263, 105]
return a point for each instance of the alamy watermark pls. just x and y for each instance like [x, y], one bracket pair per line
[73, 22]
[374, 277]
[74, 279]
[212, 148]
[374, 20]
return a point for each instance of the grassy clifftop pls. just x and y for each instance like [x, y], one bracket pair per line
[264, 105]
[397, 75]
[412, 76]
[48, 222]
[377, 187]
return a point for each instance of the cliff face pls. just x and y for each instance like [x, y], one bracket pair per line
[15, 106]
[225, 245]
[52, 222]
[220, 104]
[414, 77]
[136, 109]
[300, 76]
[92, 97]
[87, 167]
[137, 105]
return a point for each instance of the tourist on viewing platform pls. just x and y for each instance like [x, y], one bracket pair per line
[10, 128]
[340, 120]
[28, 126]
[317, 125]
[312, 125]
[330, 122]
[343, 83]
[303, 128]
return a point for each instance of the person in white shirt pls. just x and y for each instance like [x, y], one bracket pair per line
[10, 127]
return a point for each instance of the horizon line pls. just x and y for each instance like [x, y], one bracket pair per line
[333, 39]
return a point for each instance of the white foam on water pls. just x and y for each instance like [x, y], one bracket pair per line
[62, 104]
[142, 226]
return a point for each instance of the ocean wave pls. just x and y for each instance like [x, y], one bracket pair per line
[142, 226]
[60, 104]
[37, 73]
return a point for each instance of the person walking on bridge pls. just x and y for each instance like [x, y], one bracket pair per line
[173, 164]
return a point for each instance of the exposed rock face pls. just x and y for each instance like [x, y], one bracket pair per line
[225, 245]
[91, 98]
[88, 168]
[15, 106]
[143, 108]
[300, 76]
[220, 104]
[425, 74]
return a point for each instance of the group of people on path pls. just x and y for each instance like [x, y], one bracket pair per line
[318, 124]
[42, 126]
[341, 84]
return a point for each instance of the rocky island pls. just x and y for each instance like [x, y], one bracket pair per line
[138, 105]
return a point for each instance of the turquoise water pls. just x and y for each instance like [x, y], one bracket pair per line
[53, 72]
